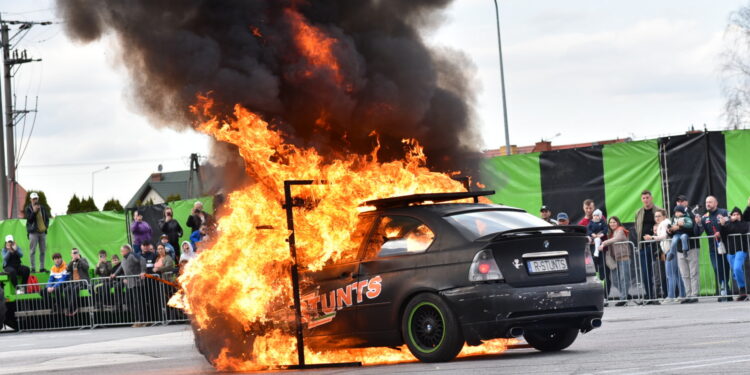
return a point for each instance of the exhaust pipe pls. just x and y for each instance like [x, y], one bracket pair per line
[515, 332]
[591, 324]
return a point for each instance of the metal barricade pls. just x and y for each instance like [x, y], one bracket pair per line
[102, 301]
[62, 305]
[172, 315]
[616, 267]
[737, 246]
[683, 273]
[132, 300]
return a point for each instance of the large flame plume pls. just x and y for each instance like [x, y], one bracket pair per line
[343, 92]
[254, 263]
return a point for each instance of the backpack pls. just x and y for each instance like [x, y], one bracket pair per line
[33, 286]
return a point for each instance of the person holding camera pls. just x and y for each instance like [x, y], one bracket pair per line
[172, 229]
[141, 232]
[78, 269]
[37, 222]
[198, 217]
[12, 255]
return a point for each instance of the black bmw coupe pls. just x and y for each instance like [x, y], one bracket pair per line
[435, 275]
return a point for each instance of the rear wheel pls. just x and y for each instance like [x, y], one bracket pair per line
[551, 340]
[430, 329]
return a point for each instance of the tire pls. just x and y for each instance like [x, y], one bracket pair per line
[551, 340]
[430, 329]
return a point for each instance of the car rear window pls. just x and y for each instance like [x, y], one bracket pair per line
[481, 223]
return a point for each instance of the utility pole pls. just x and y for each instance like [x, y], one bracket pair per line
[502, 80]
[10, 60]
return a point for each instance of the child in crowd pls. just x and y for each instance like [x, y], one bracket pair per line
[597, 230]
[681, 230]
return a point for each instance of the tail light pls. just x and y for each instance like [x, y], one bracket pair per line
[484, 267]
[590, 267]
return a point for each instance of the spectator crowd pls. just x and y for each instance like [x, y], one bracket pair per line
[666, 249]
[126, 279]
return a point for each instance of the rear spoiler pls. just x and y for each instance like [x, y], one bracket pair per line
[568, 229]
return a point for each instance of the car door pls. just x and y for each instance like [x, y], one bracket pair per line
[393, 250]
[328, 296]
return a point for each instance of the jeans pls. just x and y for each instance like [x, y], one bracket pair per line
[647, 270]
[677, 239]
[34, 240]
[623, 275]
[721, 268]
[674, 281]
[72, 296]
[737, 262]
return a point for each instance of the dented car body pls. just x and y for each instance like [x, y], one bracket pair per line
[435, 276]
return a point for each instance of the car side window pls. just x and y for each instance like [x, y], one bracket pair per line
[355, 240]
[395, 235]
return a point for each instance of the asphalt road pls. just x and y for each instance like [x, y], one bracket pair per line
[703, 338]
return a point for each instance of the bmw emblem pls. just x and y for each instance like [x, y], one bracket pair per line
[546, 244]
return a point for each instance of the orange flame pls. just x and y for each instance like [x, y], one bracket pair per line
[254, 264]
[316, 47]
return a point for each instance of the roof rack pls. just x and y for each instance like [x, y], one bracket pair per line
[406, 200]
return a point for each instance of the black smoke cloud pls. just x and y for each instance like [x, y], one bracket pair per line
[392, 82]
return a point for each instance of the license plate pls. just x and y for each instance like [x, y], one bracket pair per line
[547, 265]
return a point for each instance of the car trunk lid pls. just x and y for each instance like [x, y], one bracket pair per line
[534, 258]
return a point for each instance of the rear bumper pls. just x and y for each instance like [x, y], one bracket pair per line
[488, 311]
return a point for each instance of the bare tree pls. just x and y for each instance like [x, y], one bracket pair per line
[735, 69]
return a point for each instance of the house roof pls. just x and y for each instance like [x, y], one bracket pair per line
[166, 184]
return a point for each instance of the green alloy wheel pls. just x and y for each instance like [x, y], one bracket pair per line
[430, 329]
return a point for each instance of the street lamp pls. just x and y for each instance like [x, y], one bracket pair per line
[502, 79]
[92, 178]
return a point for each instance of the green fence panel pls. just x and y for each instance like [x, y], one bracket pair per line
[630, 168]
[516, 180]
[90, 232]
[737, 144]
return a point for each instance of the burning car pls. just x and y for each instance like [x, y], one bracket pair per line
[435, 275]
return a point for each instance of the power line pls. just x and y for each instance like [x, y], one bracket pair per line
[121, 161]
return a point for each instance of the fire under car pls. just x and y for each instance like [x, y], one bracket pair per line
[434, 275]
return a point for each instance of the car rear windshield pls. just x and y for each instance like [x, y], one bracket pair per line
[481, 223]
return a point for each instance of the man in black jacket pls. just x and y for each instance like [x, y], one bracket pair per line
[170, 227]
[78, 268]
[199, 217]
[37, 223]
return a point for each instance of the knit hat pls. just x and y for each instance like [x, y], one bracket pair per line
[597, 212]
[737, 210]
[679, 208]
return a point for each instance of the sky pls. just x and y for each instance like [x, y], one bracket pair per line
[575, 71]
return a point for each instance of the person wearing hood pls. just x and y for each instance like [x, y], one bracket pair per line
[188, 254]
[736, 248]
